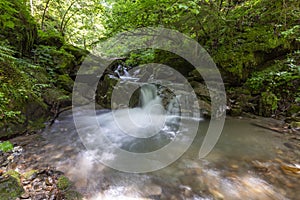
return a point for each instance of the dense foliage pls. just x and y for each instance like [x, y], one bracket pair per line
[33, 70]
[255, 43]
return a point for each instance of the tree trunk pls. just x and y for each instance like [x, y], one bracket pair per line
[44, 14]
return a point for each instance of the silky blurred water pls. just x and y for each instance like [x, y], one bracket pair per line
[227, 172]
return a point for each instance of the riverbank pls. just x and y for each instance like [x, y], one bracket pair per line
[22, 176]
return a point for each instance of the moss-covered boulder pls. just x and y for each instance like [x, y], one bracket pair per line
[20, 103]
[294, 109]
[73, 195]
[50, 38]
[57, 97]
[10, 187]
[104, 91]
[65, 82]
[63, 183]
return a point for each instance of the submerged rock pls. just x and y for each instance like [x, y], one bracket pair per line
[291, 169]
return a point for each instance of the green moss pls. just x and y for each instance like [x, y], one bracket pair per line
[295, 125]
[294, 108]
[268, 104]
[14, 174]
[28, 174]
[37, 124]
[10, 188]
[72, 195]
[50, 38]
[63, 183]
[54, 95]
[17, 26]
[79, 54]
[65, 82]
[105, 90]
[6, 146]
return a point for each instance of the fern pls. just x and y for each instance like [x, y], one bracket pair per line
[26, 63]
[6, 53]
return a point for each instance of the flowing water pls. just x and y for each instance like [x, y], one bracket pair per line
[245, 163]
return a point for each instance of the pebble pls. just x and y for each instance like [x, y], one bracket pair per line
[187, 191]
[217, 194]
[234, 166]
[25, 182]
[193, 171]
[10, 158]
[49, 181]
[152, 190]
[279, 152]
[33, 176]
[25, 196]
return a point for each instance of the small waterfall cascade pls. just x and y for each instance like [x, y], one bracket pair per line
[126, 73]
[148, 94]
[117, 71]
[122, 71]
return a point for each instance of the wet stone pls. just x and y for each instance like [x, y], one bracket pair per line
[25, 196]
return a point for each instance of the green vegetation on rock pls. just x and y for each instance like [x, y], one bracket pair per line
[63, 183]
[72, 195]
[6, 146]
[29, 174]
[34, 73]
[10, 188]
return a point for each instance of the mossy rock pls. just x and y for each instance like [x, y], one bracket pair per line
[54, 96]
[10, 187]
[35, 108]
[40, 74]
[75, 51]
[73, 195]
[13, 174]
[295, 125]
[294, 108]
[50, 38]
[63, 183]
[65, 82]
[29, 174]
[237, 111]
[105, 90]
[34, 112]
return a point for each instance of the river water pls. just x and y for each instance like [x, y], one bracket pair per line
[246, 163]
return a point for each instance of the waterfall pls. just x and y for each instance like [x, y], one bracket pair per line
[122, 71]
[148, 93]
[126, 73]
[117, 71]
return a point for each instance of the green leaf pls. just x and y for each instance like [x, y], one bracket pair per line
[9, 24]
[183, 6]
